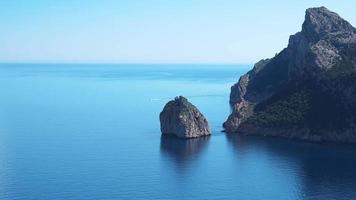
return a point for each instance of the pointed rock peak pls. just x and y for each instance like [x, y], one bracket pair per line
[320, 21]
[319, 11]
[180, 100]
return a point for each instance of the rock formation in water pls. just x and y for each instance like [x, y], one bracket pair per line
[307, 91]
[182, 119]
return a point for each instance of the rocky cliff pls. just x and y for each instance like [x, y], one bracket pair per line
[182, 119]
[307, 91]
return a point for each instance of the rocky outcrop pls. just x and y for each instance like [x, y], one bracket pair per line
[307, 91]
[182, 119]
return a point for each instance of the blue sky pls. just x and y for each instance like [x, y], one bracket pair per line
[152, 31]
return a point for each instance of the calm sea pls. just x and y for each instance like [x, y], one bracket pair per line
[92, 132]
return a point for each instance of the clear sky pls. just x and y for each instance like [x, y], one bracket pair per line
[152, 31]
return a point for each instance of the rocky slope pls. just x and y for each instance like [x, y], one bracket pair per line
[307, 91]
[182, 119]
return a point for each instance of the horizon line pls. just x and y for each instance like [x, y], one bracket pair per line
[123, 63]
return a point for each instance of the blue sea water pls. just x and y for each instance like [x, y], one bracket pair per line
[92, 132]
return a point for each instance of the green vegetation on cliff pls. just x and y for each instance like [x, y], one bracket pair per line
[287, 112]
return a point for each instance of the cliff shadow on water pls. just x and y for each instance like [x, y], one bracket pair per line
[318, 166]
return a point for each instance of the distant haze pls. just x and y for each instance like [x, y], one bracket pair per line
[152, 31]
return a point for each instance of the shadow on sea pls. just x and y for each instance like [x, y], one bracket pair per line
[323, 169]
[182, 152]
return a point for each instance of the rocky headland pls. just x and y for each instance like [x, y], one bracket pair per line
[182, 119]
[307, 91]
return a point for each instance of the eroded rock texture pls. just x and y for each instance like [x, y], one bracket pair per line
[182, 119]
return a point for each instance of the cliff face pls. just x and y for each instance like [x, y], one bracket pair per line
[308, 90]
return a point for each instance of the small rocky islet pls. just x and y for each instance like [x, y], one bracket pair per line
[306, 92]
[182, 119]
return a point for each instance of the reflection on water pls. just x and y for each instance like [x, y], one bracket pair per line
[324, 170]
[182, 152]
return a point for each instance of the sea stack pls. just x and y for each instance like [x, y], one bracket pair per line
[307, 91]
[182, 119]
